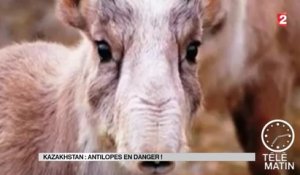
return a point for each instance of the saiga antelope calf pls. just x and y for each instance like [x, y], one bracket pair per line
[129, 86]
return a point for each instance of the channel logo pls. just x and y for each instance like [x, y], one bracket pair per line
[277, 136]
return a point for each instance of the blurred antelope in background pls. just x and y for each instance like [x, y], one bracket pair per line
[249, 65]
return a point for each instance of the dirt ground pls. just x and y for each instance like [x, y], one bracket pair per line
[30, 20]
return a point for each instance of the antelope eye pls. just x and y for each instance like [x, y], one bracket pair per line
[104, 51]
[192, 51]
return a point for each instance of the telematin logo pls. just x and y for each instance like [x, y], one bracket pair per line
[277, 136]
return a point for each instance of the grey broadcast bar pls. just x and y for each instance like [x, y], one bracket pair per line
[209, 157]
[146, 156]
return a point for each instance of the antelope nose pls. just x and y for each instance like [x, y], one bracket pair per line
[156, 167]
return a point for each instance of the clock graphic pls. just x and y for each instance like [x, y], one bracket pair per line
[277, 135]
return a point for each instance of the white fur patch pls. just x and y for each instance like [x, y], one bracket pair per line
[236, 53]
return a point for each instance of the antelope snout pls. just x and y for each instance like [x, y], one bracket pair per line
[156, 167]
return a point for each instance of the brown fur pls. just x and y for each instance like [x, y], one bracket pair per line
[43, 110]
[30, 117]
[58, 99]
[268, 76]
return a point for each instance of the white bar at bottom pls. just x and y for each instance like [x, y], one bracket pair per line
[147, 157]
[211, 157]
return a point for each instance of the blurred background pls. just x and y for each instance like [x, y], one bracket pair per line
[31, 20]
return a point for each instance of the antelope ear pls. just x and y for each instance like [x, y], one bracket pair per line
[69, 12]
[214, 13]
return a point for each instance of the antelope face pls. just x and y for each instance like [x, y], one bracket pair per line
[146, 88]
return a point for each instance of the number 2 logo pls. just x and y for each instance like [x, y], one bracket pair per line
[282, 19]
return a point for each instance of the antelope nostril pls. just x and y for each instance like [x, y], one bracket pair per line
[156, 167]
